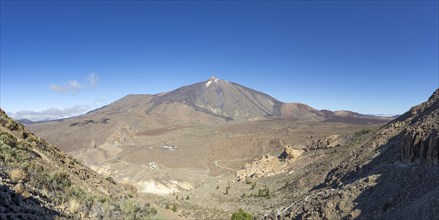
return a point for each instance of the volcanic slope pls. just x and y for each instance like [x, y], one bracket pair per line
[38, 181]
[391, 173]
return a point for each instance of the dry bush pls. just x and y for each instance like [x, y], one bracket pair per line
[17, 174]
[21, 190]
[74, 206]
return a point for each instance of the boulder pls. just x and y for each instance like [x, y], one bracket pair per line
[290, 153]
[327, 142]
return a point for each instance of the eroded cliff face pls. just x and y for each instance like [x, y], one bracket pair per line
[420, 144]
[420, 138]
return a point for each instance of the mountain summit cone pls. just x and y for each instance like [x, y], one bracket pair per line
[222, 98]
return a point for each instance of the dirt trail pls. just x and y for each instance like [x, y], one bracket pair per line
[123, 154]
[228, 168]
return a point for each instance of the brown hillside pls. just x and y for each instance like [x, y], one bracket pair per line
[39, 181]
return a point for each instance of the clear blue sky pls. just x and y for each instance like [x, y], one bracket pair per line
[68, 57]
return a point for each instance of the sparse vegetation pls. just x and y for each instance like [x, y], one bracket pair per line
[362, 132]
[241, 215]
[21, 189]
[59, 180]
[253, 186]
[17, 174]
[174, 208]
[130, 208]
[74, 205]
[86, 122]
[110, 179]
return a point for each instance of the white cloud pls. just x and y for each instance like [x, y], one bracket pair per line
[52, 113]
[93, 79]
[57, 88]
[71, 86]
[75, 86]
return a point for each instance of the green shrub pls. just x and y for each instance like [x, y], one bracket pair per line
[227, 190]
[362, 132]
[110, 179]
[12, 125]
[253, 186]
[75, 192]
[59, 180]
[263, 193]
[241, 215]
[267, 193]
[174, 208]
[129, 208]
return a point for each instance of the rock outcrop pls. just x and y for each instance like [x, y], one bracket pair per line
[290, 154]
[327, 142]
[269, 165]
[265, 166]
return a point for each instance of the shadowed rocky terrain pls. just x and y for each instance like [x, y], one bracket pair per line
[390, 173]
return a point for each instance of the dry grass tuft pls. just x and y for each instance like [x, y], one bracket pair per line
[74, 205]
[17, 174]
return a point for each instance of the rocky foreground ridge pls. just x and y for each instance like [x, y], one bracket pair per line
[390, 173]
[38, 181]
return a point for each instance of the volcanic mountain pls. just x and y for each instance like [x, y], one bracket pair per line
[222, 98]
[210, 102]
[227, 101]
